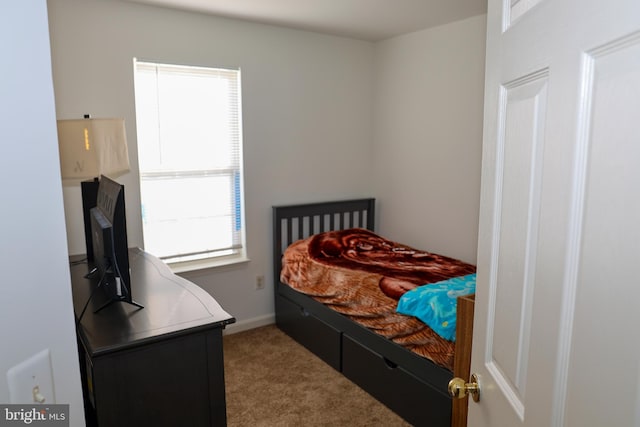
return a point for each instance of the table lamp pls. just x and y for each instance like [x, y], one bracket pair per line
[88, 149]
[92, 147]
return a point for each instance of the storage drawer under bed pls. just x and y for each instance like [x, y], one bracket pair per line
[320, 338]
[418, 402]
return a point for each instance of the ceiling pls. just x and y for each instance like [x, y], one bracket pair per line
[371, 20]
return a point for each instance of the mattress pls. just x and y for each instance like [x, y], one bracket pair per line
[362, 275]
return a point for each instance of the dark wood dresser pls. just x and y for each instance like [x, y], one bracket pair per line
[161, 365]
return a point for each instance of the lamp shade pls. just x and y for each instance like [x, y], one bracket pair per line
[92, 147]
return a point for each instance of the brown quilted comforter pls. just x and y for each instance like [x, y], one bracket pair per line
[362, 275]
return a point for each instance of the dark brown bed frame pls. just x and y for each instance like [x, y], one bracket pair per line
[412, 386]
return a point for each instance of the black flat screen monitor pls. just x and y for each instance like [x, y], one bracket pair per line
[109, 242]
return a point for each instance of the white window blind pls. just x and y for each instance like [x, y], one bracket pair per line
[189, 147]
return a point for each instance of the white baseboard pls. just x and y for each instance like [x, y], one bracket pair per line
[247, 324]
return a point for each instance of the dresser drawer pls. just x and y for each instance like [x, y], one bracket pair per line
[399, 390]
[317, 336]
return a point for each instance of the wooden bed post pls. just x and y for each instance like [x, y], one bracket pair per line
[462, 358]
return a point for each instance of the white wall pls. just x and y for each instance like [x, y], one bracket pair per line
[307, 110]
[35, 306]
[428, 136]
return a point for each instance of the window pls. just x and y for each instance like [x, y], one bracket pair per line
[189, 151]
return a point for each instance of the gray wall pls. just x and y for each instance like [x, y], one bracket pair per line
[429, 88]
[35, 306]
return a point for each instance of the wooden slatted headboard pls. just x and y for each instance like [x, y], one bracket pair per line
[295, 222]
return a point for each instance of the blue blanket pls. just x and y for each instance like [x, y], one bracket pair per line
[435, 304]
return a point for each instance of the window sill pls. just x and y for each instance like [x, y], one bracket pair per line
[204, 264]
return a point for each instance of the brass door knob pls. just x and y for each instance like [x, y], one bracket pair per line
[458, 388]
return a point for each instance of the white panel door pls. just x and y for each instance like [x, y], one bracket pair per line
[555, 335]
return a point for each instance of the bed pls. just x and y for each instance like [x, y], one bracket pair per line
[411, 383]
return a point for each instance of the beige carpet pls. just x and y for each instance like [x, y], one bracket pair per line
[273, 381]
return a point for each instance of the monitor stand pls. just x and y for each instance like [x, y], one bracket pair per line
[120, 298]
